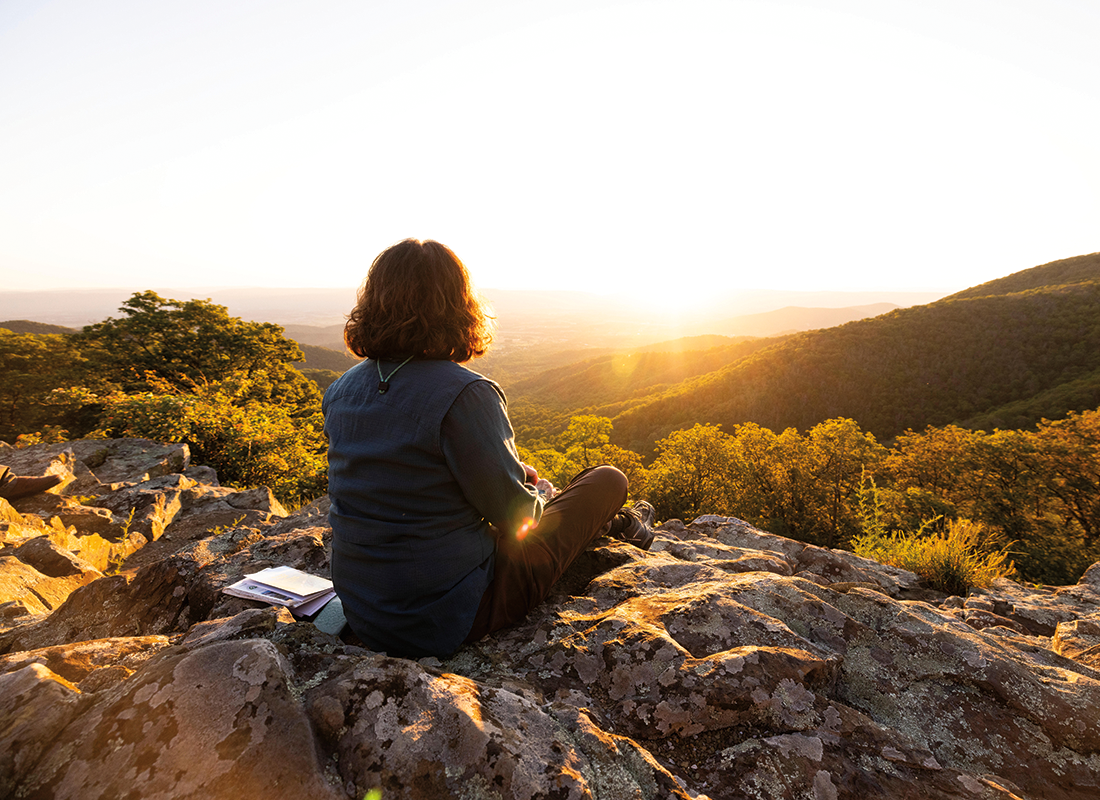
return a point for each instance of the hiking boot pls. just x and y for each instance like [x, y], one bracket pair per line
[21, 486]
[634, 525]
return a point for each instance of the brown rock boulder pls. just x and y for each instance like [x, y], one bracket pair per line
[116, 606]
[817, 564]
[171, 595]
[8, 514]
[33, 461]
[75, 662]
[982, 704]
[148, 507]
[72, 527]
[54, 561]
[674, 663]
[423, 735]
[220, 722]
[17, 582]
[206, 511]
[1079, 639]
[41, 576]
[845, 755]
[92, 462]
[37, 706]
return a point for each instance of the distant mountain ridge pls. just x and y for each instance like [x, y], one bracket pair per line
[517, 309]
[527, 345]
[792, 319]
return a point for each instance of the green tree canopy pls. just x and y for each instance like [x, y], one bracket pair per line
[691, 473]
[583, 440]
[1068, 463]
[159, 343]
[174, 371]
[31, 365]
[839, 454]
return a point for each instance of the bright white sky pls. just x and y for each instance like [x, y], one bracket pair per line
[677, 146]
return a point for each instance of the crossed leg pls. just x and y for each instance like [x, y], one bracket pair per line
[526, 568]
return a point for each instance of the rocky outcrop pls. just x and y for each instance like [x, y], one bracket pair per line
[724, 663]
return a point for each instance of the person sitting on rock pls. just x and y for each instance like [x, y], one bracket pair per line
[440, 535]
[13, 487]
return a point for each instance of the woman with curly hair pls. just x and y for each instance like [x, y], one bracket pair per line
[439, 533]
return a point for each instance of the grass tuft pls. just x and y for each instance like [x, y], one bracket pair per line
[951, 561]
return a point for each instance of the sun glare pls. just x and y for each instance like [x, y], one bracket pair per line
[656, 151]
[672, 299]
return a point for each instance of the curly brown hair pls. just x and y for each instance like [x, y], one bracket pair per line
[417, 301]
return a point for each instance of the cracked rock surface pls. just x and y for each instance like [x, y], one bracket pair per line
[724, 663]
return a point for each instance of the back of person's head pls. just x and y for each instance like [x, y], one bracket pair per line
[417, 301]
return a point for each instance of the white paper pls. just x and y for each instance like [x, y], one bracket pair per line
[291, 580]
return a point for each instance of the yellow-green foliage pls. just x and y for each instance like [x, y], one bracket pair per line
[951, 561]
[691, 473]
[583, 444]
[1038, 488]
[250, 444]
[802, 486]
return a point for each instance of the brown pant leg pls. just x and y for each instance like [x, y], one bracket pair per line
[527, 568]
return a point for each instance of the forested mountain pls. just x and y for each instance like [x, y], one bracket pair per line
[544, 330]
[1003, 354]
[323, 365]
[27, 326]
[1057, 273]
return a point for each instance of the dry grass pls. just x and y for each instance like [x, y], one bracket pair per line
[951, 561]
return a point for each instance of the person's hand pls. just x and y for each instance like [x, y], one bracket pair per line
[546, 489]
[532, 474]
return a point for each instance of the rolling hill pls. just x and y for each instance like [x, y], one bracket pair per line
[618, 377]
[331, 337]
[324, 358]
[1003, 354]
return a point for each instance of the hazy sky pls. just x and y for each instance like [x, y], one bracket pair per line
[676, 146]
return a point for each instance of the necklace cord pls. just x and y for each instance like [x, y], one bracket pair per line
[384, 383]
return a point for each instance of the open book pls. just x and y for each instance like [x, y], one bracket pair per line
[299, 591]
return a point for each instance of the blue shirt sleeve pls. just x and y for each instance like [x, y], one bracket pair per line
[479, 447]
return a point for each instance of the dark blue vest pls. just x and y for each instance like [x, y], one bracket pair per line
[411, 557]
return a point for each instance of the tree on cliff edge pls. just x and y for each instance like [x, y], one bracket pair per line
[187, 371]
[194, 343]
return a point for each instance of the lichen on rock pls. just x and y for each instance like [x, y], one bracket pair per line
[724, 663]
